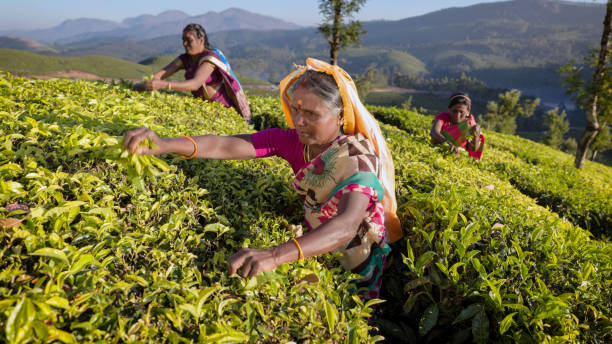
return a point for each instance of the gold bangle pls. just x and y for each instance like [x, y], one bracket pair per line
[299, 249]
[169, 86]
[195, 148]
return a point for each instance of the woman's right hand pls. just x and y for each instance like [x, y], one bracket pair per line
[133, 138]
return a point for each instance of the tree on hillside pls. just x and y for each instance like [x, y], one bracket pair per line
[338, 33]
[594, 96]
[501, 117]
[558, 125]
[602, 142]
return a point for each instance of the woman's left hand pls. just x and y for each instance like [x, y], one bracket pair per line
[251, 262]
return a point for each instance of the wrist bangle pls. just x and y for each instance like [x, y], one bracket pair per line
[195, 148]
[169, 86]
[299, 249]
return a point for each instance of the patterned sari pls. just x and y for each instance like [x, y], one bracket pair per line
[228, 90]
[460, 134]
[350, 164]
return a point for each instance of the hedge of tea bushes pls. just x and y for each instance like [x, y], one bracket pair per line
[107, 254]
[483, 262]
[548, 175]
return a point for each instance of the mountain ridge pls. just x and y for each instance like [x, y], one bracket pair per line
[148, 26]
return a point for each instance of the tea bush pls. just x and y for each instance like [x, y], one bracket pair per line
[109, 254]
[548, 175]
[482, 261]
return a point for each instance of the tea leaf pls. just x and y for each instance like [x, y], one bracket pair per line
[428, 320]
[51, 253]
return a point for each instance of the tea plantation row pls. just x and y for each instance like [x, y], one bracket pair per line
[548, 175]
[100, 260]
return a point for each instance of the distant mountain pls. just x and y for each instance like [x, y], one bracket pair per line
[149, 26]
[67, 29]
[147, 19]
[9, 42]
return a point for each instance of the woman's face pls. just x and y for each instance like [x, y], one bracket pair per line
[313, 120]
[458, 113]
[193, 45]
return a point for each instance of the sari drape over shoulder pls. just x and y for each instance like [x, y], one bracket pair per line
[349, 164]
[229, 91]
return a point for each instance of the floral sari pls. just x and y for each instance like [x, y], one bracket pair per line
[350, 164]
[459, 134]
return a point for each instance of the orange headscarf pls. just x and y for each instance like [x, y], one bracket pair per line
[357, 119]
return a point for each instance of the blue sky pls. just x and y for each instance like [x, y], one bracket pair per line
[34, 14]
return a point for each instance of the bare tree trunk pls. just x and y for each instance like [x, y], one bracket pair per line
[592, 127]
[335, 39]
[594, 155]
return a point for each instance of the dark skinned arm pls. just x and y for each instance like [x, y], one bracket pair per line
[437, 137]
[202, 74]
[329, 236]
[236, 147]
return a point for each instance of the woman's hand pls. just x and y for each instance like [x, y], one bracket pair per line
[476, 130]
[133, 138]
[453, 148]
[251, 262]
[139, 87]
[149, 85]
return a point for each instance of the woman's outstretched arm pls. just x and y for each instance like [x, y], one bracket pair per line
[327, 237]
[437, 136]
[208, 146]
[193, 84]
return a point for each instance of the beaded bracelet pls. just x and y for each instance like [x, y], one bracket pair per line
[195, 148]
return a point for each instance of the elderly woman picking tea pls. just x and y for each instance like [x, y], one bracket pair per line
[342, 168]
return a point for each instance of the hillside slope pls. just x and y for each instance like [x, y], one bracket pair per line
[25, 63]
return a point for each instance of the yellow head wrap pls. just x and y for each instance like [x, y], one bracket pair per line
[357, 119]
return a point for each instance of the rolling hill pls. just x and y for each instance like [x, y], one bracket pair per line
[9, 42]
[25, 63]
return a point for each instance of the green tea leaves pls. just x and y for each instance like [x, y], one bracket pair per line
[52, 253]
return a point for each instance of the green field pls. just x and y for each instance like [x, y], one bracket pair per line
[124, 249]
[21, 62]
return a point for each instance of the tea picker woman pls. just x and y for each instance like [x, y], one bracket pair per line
[208, 74]
[457, 126]
[342, 167]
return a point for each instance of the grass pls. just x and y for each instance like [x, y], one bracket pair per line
[25, 63]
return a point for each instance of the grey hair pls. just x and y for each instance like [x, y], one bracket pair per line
[322, 85]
